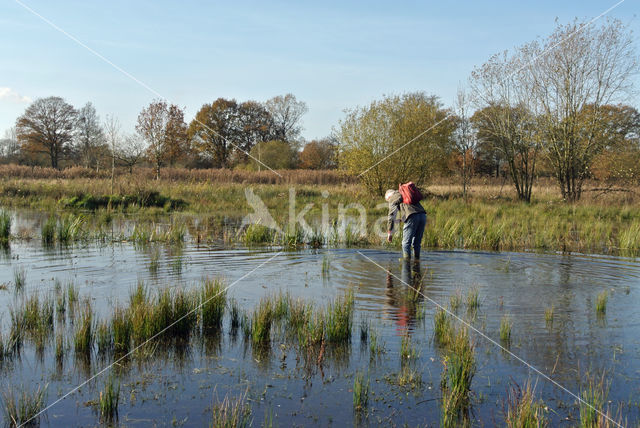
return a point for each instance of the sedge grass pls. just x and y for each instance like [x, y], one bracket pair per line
[84, 334]
[360, 392]
[408, 352]
[455, 300]
[5, 228]
[459, 370]
[108, 400]
[473, 301]
[505, 329]
[104, 338]
[339, 318]
[19, 278]
[22, 406]
[48, 230]
[522, 410]
[594, 396]
[231, 412]
[261, 321]
[601, 302]
[121, 328]
[549, 315]
[442, 328]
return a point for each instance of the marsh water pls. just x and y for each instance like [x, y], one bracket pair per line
[179, 387]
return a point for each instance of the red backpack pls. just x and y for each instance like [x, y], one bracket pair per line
[410, 193]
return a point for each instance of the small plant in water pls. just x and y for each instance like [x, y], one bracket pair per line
[109, 399]
[505, 329]
[522, 410]
[601, 302]
[594, 394]
[83, 339]
[231, 412]
[19, 278]
[49, 230]
[442, 329]
[473, 301]
[5, 228]
[407, 351]
[360, 392]
[22, 406]
[548, 315]
[459, 370]
[213, 300]
[455, 300]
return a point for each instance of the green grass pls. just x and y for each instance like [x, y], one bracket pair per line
[231, 412]
[505, 329]
[121, 329]
[84, 334]
[473, 300]
[262, 319]
[19, 278]
[21, 405]
[48, 230]
[60, 347]
[360, 392]
[108, 400]
[258, 234]
[594, 394]
[522, 410]
[549, 315]
[459, 369]
[213, 300]
[601, 302]
[376, 346]
[5, 228]
[408, 352]
[442, 328]
[70, 228]
[455, 301]
[104, 339]
[339, 318]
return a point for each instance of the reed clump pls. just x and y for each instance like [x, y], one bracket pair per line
[231, 412]
[549, 314]
[22, 406]
[601, 302]
[84, 334]
[360, 392]
[19, 278]
[109, 399]
[594, 394]
[522, 410]
[459, 369]
[5, 228]
[473, 300]
[258, 234]
[261, 321]
[505, 329]
[442, 327]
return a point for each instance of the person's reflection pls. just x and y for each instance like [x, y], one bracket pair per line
[404, 295]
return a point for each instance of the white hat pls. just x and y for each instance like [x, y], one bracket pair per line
[388, 194]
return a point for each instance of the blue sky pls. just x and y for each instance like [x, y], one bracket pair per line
[332, 55]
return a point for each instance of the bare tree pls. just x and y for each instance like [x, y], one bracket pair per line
[89, 138]
[9, 147]
[47, 127]
[464, 138]
[112, 131]
[131, 151]
[162, 126]
[579, 69]
[286, 112]
[505, 117]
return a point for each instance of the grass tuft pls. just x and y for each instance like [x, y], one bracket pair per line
[22, 406]
[522, 410]
[213, 300]
[360, 392]
[505, 329]
[231, 412]
[601, 302]
[109, 399]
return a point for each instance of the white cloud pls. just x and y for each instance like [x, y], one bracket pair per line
[11, 95]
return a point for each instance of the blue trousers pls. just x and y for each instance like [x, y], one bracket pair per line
[412, 234]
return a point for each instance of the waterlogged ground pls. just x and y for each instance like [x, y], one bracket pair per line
[178, 385]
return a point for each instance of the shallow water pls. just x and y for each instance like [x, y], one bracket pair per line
[174, 387]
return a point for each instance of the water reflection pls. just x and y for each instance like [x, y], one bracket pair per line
[404, 295]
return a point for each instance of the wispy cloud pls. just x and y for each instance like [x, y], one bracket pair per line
[11, 95]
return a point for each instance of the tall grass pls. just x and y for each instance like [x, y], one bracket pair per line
[121, 328]
[48, 230]
[594, 396]
[108, 400]
[84, 335]
[601, 302]
[231, 412]
[21, 406]
[442, 328]
[261, 320]
[213, 300]
[459, 370]
[19, 278]
[339, 318]
[360, 392]
[258, 234]
[473, 301]
[5, 228]
[522, 409]
[505, 329]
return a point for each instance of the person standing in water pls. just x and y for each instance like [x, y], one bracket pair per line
[413, 215]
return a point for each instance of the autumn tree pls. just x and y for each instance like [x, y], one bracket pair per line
[286, 112]
[396, 139]
[89, 136]
[319, 154]
[47, 127]
[214, 131]
[578, 70]
[162, 126]
[255, 125]
[276, 154]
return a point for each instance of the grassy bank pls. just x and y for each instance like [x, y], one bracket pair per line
[490, 219]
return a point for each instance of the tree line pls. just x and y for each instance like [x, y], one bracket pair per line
[554, 106]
